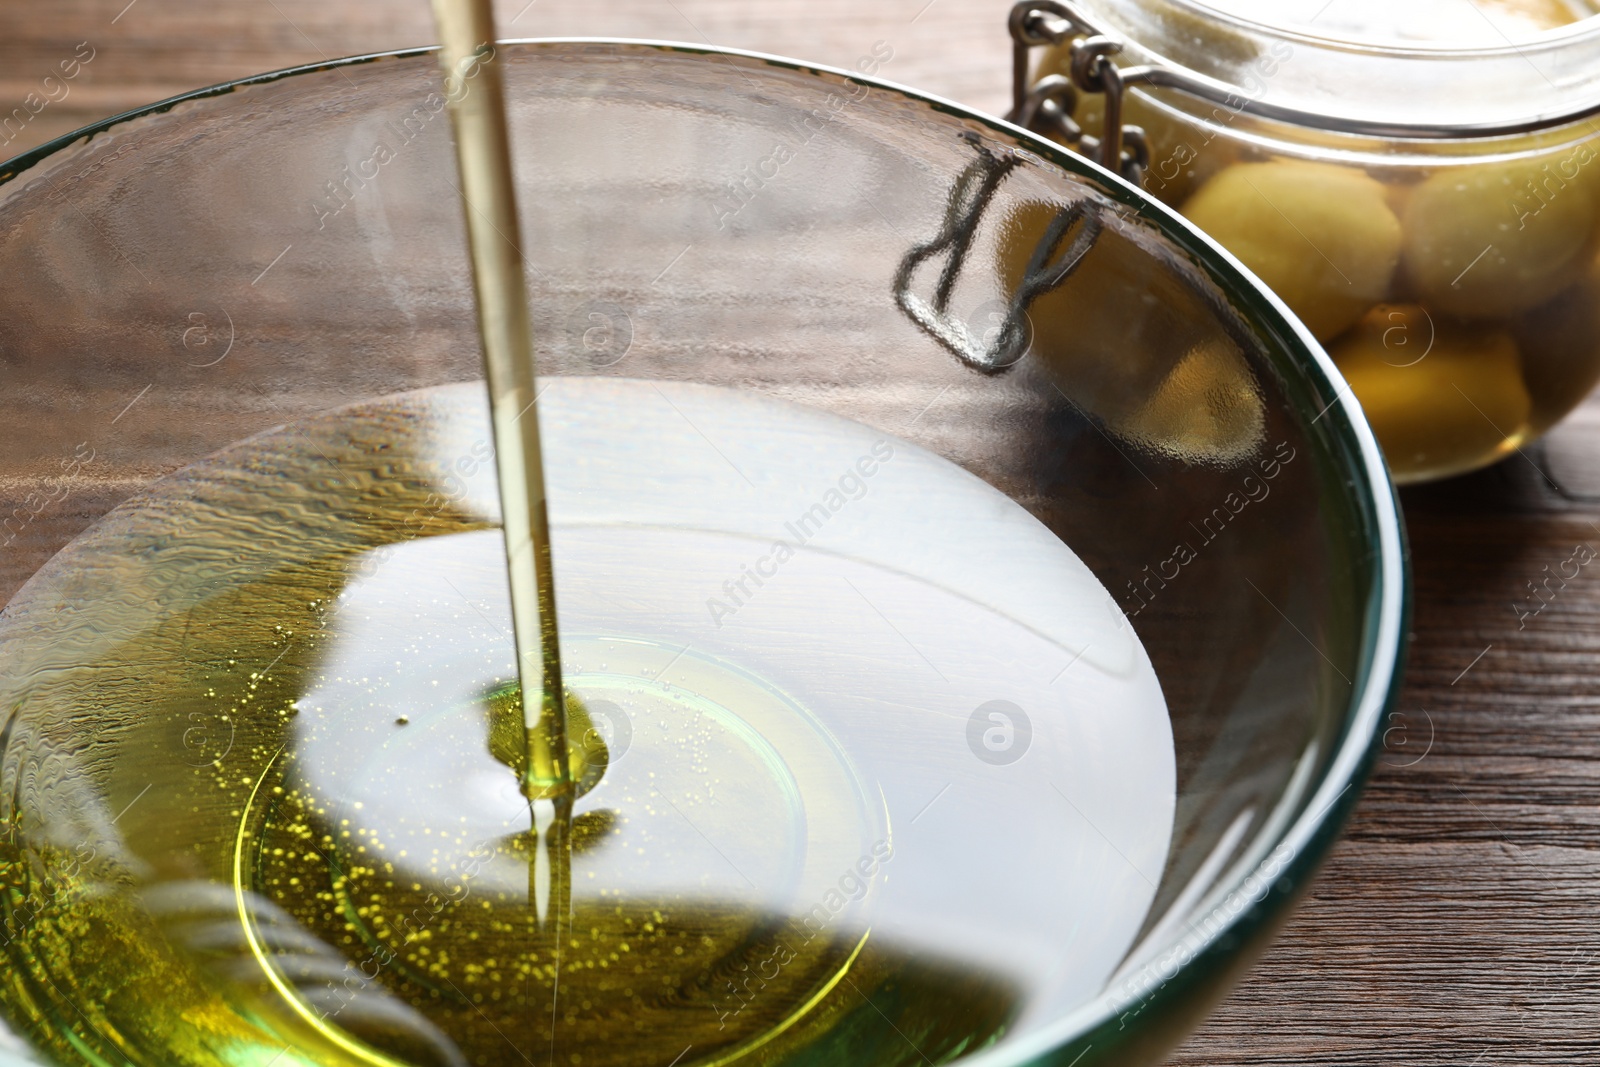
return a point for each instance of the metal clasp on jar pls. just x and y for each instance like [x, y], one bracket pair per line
[1047, 106]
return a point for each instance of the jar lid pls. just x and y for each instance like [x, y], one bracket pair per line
[1316, 67]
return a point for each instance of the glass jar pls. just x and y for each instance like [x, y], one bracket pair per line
[1429, 208]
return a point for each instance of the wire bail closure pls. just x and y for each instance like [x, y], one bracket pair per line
[1047, 106]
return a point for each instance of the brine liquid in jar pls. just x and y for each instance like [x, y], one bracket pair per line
[1454, 280]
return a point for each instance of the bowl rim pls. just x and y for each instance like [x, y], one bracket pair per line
[1300, 846]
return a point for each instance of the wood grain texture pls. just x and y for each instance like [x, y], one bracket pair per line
[1459, 921]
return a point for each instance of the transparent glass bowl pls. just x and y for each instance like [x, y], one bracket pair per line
[1448, 256]
[252, 256]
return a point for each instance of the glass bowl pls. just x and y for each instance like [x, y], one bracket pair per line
[1424, 197]
[251, 271]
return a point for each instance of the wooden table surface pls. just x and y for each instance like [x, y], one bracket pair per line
[1459, 921]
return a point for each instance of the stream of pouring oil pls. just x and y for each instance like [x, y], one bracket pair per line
[475, 92]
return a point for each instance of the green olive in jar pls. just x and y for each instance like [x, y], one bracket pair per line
[1129, 342]
[1441, 396]
[1560, 343]
[1322, 237]
[1493, 240]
